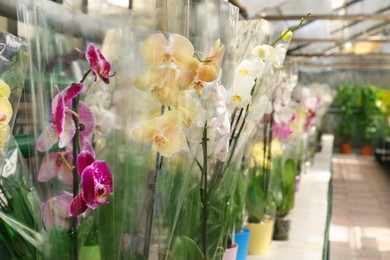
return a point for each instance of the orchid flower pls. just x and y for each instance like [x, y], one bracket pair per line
[220, 123]
[157, 50]
[259, 108]
[282, 130]
[195, 73]
[244, 80]
[55, 211]
[56, 164]
[5, 90]
[258, 157]
[273, 55]
[165, 132]
[191, 111]
[161, 81]
[62, 126]
[5, 112]
[96, 184]
[98, 64]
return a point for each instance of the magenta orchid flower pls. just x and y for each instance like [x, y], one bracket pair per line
[62, 127]
[96, 184]
[55, 211]
[98, 64]
[56, 164]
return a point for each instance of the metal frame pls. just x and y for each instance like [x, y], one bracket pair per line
[59, 17]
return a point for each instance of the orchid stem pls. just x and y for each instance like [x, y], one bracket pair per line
[152, 204]
[203, 192]
[85, 76]
[292, 29]
[76, 148]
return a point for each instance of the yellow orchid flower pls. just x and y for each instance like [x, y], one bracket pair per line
[4, 133]
[187, 108]
[161, 81]
[165, 132]
[157, 50]
[5, 112]
[196, 73]
[5, 90]
[258, 152]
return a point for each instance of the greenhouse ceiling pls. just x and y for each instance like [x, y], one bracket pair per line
[341, 34]
[344, 34]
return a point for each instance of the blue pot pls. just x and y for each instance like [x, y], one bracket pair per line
[242, 240]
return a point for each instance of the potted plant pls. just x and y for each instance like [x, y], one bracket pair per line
[345, 104]
[369, 117]
[259, 200]
[241, 235]
[283, 192]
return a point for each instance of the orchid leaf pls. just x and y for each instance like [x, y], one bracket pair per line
[186, 248]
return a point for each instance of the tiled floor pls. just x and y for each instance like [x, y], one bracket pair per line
[360, 225]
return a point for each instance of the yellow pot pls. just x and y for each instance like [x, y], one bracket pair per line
[260, 237]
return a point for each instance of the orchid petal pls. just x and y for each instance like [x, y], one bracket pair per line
[48, 168]
[188, 109]
[192, 64]
[64, 200]
[182, 49]
[4, 134]
[145, 132]
[207, 73]
[5, 110]
[68, 132]
[47, 139]
[72, 91]
[87, 119]
[55, 211]
[185, 79]
[86, 145]
[153, 48]
[64, 171]
[146, 80]
[96, 175]
[98, 64]
[84, 159]
[5, 90]
[58, 112]
[164, 88]
[165, 132]
[92, 57]
[176, 141]
[78, 206]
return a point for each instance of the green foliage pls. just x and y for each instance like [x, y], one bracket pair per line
[370, 112]
[125, 214]
[239, 201]
[259, 201]
[347, 102]
[283, 187]
[20, 203]
[360, 111]
[185, 248]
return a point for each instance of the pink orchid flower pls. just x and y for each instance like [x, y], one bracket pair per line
[57, 164]
[62, 127]
[96, 184]
[55, 211]
[98, 64]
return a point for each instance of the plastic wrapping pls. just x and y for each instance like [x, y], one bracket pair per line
[13, 64]
[58, 60]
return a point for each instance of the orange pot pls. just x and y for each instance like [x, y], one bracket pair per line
[366, 150]
[346, 148]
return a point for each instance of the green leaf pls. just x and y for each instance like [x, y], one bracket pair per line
[186, 248]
